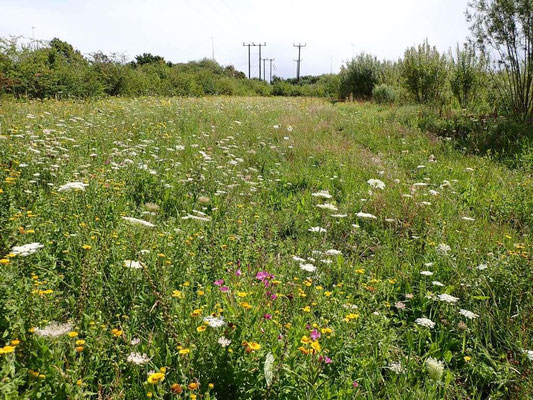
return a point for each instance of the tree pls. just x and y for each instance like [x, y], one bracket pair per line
[506, 28]
[424, 73]
[148, 58]
[467, 72]
[359, 76]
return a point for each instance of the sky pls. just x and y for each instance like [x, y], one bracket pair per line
[184, 30]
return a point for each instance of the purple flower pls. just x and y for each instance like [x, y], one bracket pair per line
[328, 360]
[219, 282]
[355, 384]
[224, 289]
[273, 296]
[267, 316]
[238, 272]
[315, 334]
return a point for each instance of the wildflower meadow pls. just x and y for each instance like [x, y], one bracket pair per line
[257, 248]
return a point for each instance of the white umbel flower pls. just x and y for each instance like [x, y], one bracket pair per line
[138, 222]
[67, 187]
[214, 322]
[138, 358]
[376, 184]
[366, 215]
[327, 206]
[132, 264]
[435, 368]
[468, 314]
[26, 249]
[425, 322]
[323, 194]
[308, 267]
[53, 330]
[448, 298]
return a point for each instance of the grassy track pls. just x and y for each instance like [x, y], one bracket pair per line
[231, 294]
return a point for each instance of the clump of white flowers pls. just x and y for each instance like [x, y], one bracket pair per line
[435, 368]
[214, 322]
[468, 314]
[73, 186]
[138, 222]
[26, 249]
[448, 298]
[53, 330]
[138, 358]
[425, 322]
[376, 183]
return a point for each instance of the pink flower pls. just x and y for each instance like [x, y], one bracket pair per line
[267, 316]
[219, 282]
[224, 289]
[238, 272]
[315, 334]
[355, 384]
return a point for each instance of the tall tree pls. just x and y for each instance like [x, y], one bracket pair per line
[504, 29]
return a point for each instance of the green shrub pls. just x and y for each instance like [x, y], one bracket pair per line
[424, 74]
[384, 94]
[359, 76]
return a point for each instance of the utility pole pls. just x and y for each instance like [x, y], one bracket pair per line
[299, 61]
[264, 69]
[249, 67]
[260, 58]
[249, 59]
[270, 59]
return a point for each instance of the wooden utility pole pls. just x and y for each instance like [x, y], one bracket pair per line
[249, 65]
[270, 59]
[264, 69]
[299, 61]
[260, 58]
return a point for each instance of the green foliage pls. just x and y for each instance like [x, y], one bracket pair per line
[384, 94]
[359, 76]
[212, 293]
[424, 73]
[467, 75]
[505, 28]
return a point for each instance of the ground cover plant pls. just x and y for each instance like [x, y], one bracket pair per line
[254, 248]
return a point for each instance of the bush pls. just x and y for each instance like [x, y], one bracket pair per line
[384, 94]
[424, 74]
[359, 76]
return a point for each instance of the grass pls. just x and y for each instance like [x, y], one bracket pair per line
[228, 184]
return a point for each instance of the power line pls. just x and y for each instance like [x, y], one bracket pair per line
[249, 59]
[299, 61]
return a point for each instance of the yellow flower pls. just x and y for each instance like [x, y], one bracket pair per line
[80, 342]
[305, 340]
[360, 271]
[242, 294]
[193, 386]
[177, 294]
[316, 346]
[254, 345]
[185, 351]
[327, 294]
[4, 261]
[116, 332]
[86, 247]
[196, 312]
[467, 358]
[79, 382]
[73, 334]
[246, 305]
[156, 377]
[306, 309]
[201, 328]
[7, 349]
[211, 386]
[79, 349]
[15, 342]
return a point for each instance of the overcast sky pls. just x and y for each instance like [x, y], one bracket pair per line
[181, 30]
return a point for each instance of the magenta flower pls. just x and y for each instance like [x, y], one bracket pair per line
[267, 316]
[219, 282]
[238, 272]
[355, 384]
[224, 289]
[315, 334]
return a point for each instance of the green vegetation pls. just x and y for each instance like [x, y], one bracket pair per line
[281, 248]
